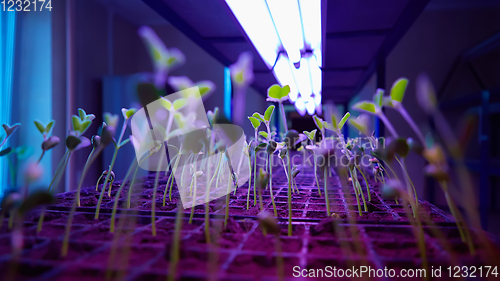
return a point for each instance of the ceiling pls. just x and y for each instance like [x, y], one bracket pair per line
[358, 34]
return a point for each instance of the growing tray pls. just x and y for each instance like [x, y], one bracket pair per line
[380, 238]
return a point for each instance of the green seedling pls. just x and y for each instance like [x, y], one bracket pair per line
[194, 186]
[250, 153]
[74, 142]
[241, 76]
[49, 142]
[133, 166]
[164, 60]
[266, 119]
[427, 99]
[279, 94]
[262, 181]
[98, 144]
[395, 101]
[312, 148]
[176, 241]
[324, 167]
[112, 120]
[375, 108]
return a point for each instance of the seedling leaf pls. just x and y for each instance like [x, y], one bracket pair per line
[319, 122]
[76, 123]
[259, 116]
[365, 106]
[255, 122]
[124, 142]
[343, 120]
[9, 130]
[398, 89]
[82, 114]
[39, 126]
[179, 103]
[276, 93]
[264, 134]
[49, 126]
[260, 146]
[269, 113]
[378, 98]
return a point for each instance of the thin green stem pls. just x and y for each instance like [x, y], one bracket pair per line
[153, 203]
[172, 174]
[227, 199]
[254, 180]
[271, 184]
[193, 182]
[57, 177]
[366, 182]
[355, 192]
[249, 181]
[412, 124]
[289, 193]
[327, 201]
[64, 249]
[80, 182]
[117, 196]
[175, 252]
[169, 178]
[105, 184]
[316, 174]
[409, 179]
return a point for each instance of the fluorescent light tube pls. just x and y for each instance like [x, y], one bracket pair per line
[311, 23]
[286, 16]
[256, 20]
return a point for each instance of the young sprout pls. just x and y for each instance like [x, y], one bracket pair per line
[312, 147]
[438, 169]
[266, 118]
[48, 142]
[183, 83]
[323, 163]
[262, 181]
[194, 185]
[375, 108]
[74, 142]
[112, 120]
[9, 130]
[230, 178]
[133, 166]
[279, 94]
[250, 152]
[164, 60]
[395, 101]
[176, 241]
[295, 173]
[98, 144]
[241, 76]
[270, 225]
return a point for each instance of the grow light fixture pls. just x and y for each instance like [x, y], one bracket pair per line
[287, 35]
